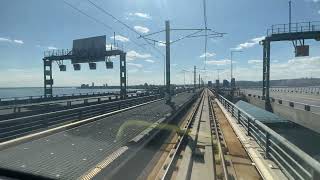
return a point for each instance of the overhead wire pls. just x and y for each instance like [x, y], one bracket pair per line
[206, 33]
[99, 22]
[124, 24]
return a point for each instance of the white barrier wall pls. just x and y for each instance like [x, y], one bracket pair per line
[305, 118]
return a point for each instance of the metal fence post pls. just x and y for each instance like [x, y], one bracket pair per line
[267, 148]
[248, 126]
[239, 116]
[232, 111]
[80, 115]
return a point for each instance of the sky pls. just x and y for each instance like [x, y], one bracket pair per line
[29, 28]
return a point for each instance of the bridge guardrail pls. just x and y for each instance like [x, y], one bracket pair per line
[13, 128]
[295, 163]
[293, 104]
[297, 90]
[61, 103]
[26, 99]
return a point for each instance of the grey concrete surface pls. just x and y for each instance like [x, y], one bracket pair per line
[71, 153]
[296, 97]
[308, 119]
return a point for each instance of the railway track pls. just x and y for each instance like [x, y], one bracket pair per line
[205, 148]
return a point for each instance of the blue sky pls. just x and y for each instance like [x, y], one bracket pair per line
[28, 28]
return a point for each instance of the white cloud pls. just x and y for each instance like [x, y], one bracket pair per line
[249, 44]
[135, 65]
[161, 43]
[141, 15]
[16, 41]
[52, 48]
[141, 29]
[149, 60]
[5, 40]
[302, 67]
[108, 46]
[258, 39]
[207, 54]
[132, 55]
[219, 62]
[254, 61]
[120, 38]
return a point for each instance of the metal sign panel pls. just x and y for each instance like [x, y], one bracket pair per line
[62, 67]
[76, 67]
[89, 49]
[92, 66]
[109, 64]
[302, 50]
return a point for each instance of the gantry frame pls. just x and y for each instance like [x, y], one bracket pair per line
[295, 32]
[61, 55]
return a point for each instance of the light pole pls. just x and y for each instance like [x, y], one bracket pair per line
[231, 63]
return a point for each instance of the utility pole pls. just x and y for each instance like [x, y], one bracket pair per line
[218, 70]
[231, 63]
[164, 71]
[184, 79]
[194, 78]
[127, 80]
[290, 16]
[168, 88]
[199, 80]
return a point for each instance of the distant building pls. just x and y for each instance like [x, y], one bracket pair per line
[217, 83]
[92, 85]
[225, 83]
[84, 85]
[210, 84]
[233, 83]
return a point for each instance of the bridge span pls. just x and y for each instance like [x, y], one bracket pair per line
[201, 135]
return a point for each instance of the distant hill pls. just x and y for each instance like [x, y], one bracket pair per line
[303, 82]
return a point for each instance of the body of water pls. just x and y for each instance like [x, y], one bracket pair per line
[38, 91]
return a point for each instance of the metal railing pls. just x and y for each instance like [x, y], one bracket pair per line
[22, 109]
[310, 90]
[13, 128]
[39, 98]
[70, 52]
[295, 163]
[294, 27]
[286, 102]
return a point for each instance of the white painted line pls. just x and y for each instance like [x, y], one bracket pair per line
[70, 125]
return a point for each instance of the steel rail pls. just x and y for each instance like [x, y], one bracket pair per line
[183, 137]
[215, 123]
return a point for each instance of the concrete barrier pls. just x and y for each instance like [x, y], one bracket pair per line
[305, 117]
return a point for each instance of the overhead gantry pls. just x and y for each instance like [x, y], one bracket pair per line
[61, 55]
[295, 32]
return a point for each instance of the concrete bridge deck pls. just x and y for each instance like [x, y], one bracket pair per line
[70, 153]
